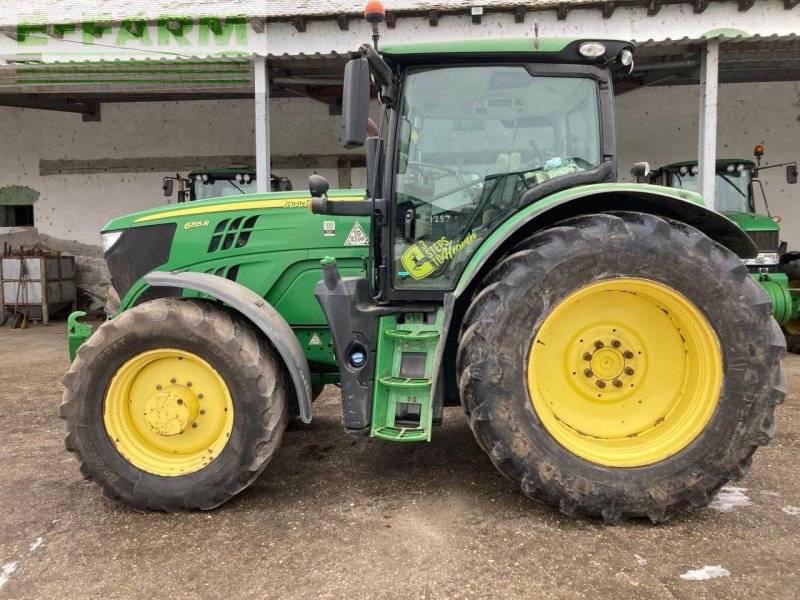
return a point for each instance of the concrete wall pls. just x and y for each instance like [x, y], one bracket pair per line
[659, 125]
[656, 124]
[74, 207]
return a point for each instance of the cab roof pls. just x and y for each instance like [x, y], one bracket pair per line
[551, 49]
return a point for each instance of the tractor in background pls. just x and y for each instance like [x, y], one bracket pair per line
[203, 184]
[777, 270]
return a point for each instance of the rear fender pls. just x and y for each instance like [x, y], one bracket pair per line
[678, 205]
[259, 312]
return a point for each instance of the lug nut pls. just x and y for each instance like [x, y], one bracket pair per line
[180, 401]
[628, 371]
[158, 387]
[194, 425]
[188, 384]
[587, 356]
[627, 354]
[203, 410]
[601, 384]
[200, 396]
[588, 372]
[617, 383]
[598, 344]
[173, 380]
[615, 343]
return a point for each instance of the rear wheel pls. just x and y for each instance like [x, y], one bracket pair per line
[174, 405]
[621, 366]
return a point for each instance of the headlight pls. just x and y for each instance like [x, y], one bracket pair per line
[694, 170]
[205, 177]
[763, 259]
[683, 170]
[592, 49]
[247, 178]
[109, 239]
[626, 58]
[740, 168]
[239, 178]
[730, 168]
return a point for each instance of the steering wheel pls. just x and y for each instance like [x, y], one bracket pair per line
[422, 166]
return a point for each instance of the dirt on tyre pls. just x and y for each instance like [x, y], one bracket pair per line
[174, 405]
[621, 365]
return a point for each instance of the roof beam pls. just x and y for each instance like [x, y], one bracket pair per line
[563, 10]
[299, 24]
[787, 4]
[745, 5]
[700, 6]
[653, 8]
[519, 14]
[391, 19]
[343, 22]
[433, 18]
[89, 110]
[608, 9]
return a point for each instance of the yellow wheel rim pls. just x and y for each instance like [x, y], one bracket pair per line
[625, 372]
[168, 412]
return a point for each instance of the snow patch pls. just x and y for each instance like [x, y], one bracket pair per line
[707, 572]
[5, 572]
[640, 560]
[729, 498]
[36, 543]
[791, 510]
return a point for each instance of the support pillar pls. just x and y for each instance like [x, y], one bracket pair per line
[262, 124]
[707, 143]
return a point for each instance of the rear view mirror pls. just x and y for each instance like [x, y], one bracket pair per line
[355, 103]
[791, 174]
[167, 186]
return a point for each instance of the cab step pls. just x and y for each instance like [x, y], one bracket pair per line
[402, 409]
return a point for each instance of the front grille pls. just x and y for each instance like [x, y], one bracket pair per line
[232, 233]
[138, 251]
[765, 241]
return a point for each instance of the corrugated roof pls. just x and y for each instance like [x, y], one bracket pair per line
[13, 12]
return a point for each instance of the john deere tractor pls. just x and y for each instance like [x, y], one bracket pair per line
[774, 268]
[609, 348]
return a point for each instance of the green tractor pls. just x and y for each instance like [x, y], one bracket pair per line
[203, 184]
[607, 344]
[774, 268]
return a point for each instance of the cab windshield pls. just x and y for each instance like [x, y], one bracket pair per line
[731, 189]
[471, 142]
[217, 188]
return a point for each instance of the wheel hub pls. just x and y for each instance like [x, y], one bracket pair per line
[609, 363]
[171, 411]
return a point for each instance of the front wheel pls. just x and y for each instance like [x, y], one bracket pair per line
[621, 365]
[174, 405]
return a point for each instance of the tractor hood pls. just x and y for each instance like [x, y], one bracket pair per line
[752, 222]
[186, 213]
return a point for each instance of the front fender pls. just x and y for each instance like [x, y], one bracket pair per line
[591, 199]
[259, 312]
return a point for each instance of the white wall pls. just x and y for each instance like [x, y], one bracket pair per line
[75, 207]
[659, 125]
[654, 124]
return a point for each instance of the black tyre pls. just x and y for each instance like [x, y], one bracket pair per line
[174, 405]
[621, 365]
[112, 302]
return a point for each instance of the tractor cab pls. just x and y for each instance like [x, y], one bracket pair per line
[203, 184]
[736, 198]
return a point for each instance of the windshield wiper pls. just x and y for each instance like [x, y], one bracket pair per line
[241, 191]
[733, 185]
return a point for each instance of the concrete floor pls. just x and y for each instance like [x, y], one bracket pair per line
[340, 517]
